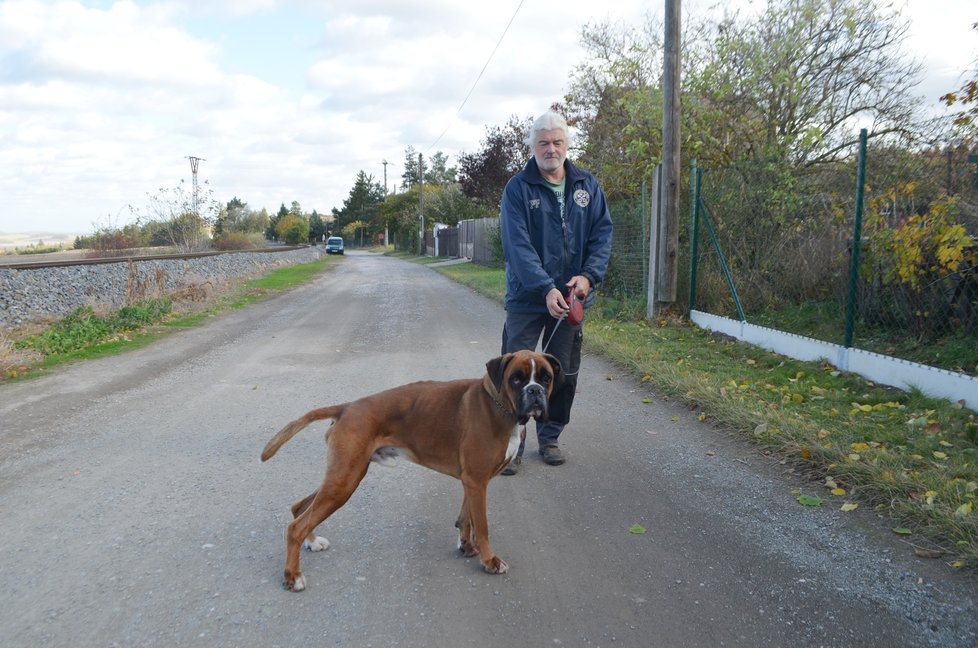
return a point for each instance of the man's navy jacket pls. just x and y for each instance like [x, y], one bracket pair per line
[542, 252]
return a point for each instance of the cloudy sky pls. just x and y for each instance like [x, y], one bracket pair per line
[101, 103]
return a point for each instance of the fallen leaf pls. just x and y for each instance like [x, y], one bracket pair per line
[963, 510]
[849, 506]
[636, 529]
[902, 531]
[805, 453]
[839, 491]
[940, 455]
[928, 553]
[809, 500]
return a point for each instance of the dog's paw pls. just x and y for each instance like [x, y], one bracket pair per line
[468, 550]
[496, 565]
[319, 544]
[296, 584]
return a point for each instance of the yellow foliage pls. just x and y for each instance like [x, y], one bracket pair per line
[917, 248]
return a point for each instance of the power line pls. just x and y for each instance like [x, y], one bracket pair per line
[478, 78]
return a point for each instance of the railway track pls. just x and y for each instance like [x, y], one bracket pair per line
[14, 264]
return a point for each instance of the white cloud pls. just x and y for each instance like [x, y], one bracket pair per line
[101, 103]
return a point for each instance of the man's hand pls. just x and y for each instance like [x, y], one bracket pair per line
[581, 286]
[556, 303]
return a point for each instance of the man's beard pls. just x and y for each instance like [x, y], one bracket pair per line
[550, 164]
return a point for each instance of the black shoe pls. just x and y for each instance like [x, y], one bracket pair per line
[552, 455]
[513, 466]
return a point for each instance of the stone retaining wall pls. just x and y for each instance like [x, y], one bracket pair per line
[41, 294]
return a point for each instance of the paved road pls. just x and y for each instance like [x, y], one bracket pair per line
[134, 510]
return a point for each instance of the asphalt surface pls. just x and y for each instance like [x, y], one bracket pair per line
[134, 510]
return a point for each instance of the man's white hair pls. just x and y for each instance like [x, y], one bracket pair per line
[547, 121]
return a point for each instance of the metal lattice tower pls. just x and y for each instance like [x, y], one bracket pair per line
[194, 163]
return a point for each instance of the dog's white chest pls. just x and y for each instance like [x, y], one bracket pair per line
[514, 443]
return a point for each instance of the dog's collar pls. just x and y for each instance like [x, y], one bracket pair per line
[494, 396]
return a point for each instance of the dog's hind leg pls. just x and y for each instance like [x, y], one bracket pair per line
[343, 475]
[313, 542]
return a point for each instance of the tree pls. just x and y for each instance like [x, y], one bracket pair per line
[292, 229]
[399, 214]
[436, 169]
[966, 95]
[170, 213]
[410, 175]
[448, 204]
[788, 86]
[439, 172]
[615, 103]
[238, 218]
[793, 83]
[317, 227]
[484, 174]
[271, 230]
[361, 205]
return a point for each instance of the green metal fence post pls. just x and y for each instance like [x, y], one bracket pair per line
[694, 201]
[857, 234]
[724, 268]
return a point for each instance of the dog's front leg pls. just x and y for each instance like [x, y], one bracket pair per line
[475, 497]
[464, 526]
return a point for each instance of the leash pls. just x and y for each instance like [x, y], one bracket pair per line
[574, 313]
[560, 319]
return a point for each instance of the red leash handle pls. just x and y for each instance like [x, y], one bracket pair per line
[575, 315]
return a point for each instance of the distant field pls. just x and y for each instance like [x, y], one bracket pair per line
[33, 238]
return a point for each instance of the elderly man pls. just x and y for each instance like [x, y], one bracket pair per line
[556, 235]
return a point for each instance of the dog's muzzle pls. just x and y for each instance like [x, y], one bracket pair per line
[532, 404]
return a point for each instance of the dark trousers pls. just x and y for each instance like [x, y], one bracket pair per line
[525, 331]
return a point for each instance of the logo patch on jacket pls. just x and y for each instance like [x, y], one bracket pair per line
[582, 198]
[534, 203]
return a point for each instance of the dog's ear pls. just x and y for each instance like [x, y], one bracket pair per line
[496, 368]
[557, 369]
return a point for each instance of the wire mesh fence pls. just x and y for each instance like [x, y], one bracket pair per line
[788, 238]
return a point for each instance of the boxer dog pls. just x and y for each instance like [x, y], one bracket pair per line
[468, 429]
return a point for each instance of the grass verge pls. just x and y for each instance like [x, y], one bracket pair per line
[912, 458]
[85, 335]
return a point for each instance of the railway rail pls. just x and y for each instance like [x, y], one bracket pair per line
[79, 261]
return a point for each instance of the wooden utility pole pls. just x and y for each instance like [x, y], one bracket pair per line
[421, 199]
[669, 260]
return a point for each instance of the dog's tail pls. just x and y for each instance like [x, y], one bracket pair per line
[293, 428]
